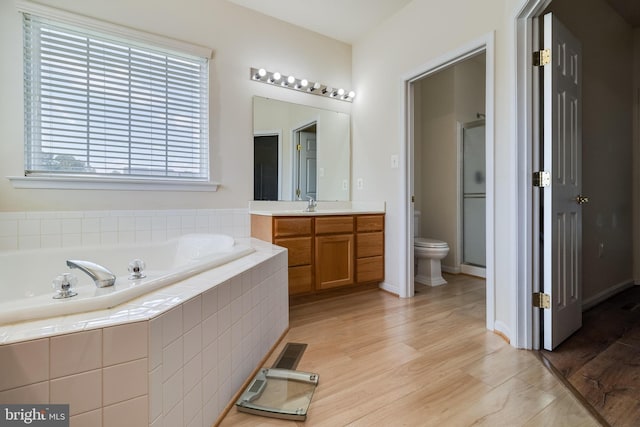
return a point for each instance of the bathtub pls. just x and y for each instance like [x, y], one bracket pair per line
[26, 276]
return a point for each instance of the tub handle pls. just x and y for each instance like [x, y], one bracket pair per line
[64, 284]
[136, 269]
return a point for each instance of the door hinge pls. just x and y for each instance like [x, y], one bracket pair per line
[541, 57]
[541, 179]
[541, 300]
[299, 147]
[298, 192]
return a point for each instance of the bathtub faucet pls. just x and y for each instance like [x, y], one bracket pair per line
[100, 275]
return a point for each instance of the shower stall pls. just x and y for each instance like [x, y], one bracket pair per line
[473, 200]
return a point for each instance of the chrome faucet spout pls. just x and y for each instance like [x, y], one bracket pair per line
[100, 275]
[311, 207]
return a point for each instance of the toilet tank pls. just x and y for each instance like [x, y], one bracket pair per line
[416, 223]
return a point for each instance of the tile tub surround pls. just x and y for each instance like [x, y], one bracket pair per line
[35, 230]
[174, 357]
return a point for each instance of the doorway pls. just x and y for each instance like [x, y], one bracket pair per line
[481, 47]
[266, 167]
[607, 247]
[305, 162]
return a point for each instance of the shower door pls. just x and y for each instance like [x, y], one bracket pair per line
[473, 194]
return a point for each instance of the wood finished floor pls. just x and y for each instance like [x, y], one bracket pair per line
[423, 361]
[601, 361]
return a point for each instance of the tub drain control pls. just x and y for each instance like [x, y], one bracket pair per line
[64, 285]
[136, 269]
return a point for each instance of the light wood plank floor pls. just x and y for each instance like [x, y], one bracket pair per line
[424, 361]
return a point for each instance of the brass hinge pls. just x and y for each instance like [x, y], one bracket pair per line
[298, 192]
[541, 179]
[299, 147]
[541, 57]
[541, 300]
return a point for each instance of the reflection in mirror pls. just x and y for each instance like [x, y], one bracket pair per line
[300, 152]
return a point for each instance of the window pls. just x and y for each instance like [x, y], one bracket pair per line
[99, 105]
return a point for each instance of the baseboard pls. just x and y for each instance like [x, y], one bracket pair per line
[394, 289]
[500, 328]
[607, 293]
[450, 270]
[472, 270]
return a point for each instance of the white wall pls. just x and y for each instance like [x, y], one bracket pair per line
[391, 54]
[240, 39]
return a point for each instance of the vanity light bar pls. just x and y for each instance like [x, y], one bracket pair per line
[302, 85]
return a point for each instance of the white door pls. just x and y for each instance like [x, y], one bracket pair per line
[308, 154]
[562, 157]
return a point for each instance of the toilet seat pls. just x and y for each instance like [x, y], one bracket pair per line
[425, 242]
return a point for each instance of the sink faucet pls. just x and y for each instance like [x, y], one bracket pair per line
[100, 275]
[311, 207]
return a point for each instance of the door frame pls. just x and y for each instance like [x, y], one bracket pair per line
[486, 44]
[527, 323]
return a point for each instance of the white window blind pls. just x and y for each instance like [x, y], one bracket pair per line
[100, 105]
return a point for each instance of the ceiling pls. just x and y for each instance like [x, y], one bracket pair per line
[344, 20]
[348, 20]
[628, 9]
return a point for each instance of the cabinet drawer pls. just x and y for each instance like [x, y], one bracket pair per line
[300, 280]
[370, 269]
[299, 249]
[366, 223]
[285, 227]
[334, 224]
[369, 244]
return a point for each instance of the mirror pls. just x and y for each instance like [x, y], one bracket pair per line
[300, 152]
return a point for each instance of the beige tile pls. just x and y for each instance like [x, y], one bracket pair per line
[191, 313]
[24, 363]
[32, 393]
[155, 343]
[83, 392]
[130, 413]
[171, 325]
[172, 359]
[75, 353]
[87, 419]
[172, 392]
[155, 393]
[175, 416]
[124, 343]
[192, 372]
[192, 404]
[192, 343]
[124, 381]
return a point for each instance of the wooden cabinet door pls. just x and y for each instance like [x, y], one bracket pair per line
[334, 261]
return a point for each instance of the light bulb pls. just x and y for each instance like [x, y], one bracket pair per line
[351, 94]
[304, 83]
[275, 77]
[340, 91]
[290, 80]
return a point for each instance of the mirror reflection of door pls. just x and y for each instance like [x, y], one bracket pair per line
[306, 155]
[265, 167]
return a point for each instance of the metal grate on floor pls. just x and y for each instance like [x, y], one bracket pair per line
[290, 356]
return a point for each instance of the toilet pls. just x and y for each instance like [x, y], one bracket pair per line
[428, 253]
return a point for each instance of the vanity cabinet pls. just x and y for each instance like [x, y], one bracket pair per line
[326, 251]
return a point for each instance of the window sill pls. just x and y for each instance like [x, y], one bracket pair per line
[95, 183]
